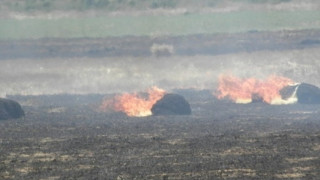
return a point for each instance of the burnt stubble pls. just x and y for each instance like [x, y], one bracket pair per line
[220, 140]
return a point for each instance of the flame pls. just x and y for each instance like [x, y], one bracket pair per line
[133, 104]
[245, 90]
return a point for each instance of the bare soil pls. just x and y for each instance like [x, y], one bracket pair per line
[220, 140]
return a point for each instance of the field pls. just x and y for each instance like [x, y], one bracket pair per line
[70, 140]
[127, 64]
[60, 65]
[158, 25]
[65, 137]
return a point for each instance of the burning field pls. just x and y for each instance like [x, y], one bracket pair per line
[259, 122]
[275, 90]
[70, 139]
[157, 102]
[246, 128]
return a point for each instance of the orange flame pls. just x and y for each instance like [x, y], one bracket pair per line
[133, 104]
[242, 90]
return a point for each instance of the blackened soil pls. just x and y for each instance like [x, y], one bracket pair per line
[200, 44]
[220, 140]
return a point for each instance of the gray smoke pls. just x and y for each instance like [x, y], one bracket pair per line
[120, 74]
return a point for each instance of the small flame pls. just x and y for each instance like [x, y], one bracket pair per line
[133, 104]
[244, 90]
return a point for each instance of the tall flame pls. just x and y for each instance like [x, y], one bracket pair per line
[245, 90]
[133, 104]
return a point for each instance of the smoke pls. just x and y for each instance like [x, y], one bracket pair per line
[130, 74]
[291, 100]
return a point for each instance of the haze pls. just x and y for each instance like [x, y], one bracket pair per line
[48, 48]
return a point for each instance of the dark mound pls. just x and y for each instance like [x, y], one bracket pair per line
[171, 104]
[10, 109]
[306, 93]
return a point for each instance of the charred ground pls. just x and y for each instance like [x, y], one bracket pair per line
[220, 140]
[64, 137]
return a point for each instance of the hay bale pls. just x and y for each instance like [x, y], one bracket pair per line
[171, 104]
[10, 109]
[308, 94]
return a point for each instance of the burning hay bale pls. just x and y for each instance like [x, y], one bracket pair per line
[305, 93]
[171, 104]
[156, 102]
[133, 104]
[249, 90]
[273, 90]
[10, 109]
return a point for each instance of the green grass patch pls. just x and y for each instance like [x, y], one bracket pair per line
[112, 5]
[183, 24]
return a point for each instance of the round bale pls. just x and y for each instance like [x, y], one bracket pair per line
[10, 109]
[171, 104]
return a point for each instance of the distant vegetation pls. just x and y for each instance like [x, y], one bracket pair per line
[267, 1]
[158, 25]
[19, 26]
[113, 5]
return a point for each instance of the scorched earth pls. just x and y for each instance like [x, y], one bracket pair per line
[221, 140]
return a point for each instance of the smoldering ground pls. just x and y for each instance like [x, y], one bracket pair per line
[64, 136]
[220, 140]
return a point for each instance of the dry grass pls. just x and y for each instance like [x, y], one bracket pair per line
[289, 175]
[298, 160]
[316, 147]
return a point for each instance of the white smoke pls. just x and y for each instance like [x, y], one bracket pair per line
[129, 74]
[291, 100]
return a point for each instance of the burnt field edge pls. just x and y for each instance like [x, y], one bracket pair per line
[198, 44]
[200, 100]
